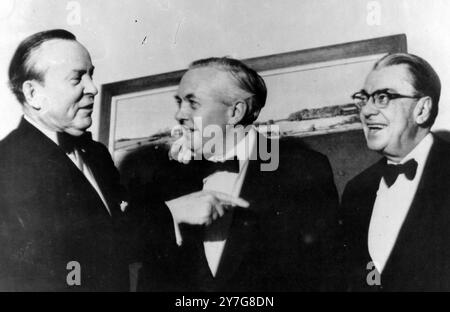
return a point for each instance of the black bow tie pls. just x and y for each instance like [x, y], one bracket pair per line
[391, 172]
[69, 143]
[231, 165]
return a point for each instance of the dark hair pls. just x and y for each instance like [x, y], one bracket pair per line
[424, 79]
[20, 70]
[247, 79]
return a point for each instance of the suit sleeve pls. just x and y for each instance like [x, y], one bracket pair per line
[19, 246]
[344, 251]
[323, 198]
[311, 198]
[151, 224]
[149, 219]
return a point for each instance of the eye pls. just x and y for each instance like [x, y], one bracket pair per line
[382, 97]
[363, 98]
[76, 80]
[193, 104]
[359, 96]
[360, 99]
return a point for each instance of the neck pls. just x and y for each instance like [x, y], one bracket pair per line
[35, 118]
[232, 136]
[405, 149]
[48, 123]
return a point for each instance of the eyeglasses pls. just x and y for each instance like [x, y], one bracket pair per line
[381, 98]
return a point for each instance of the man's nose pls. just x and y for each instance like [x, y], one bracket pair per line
[183, 113]
[90, 87]
[369, 109]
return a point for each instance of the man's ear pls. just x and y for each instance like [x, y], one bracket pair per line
[30, 91]
[422, 111]
[238, 112]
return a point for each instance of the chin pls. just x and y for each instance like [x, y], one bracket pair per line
[78, 129]
[375, 145]
[84, 124]
[376, 141]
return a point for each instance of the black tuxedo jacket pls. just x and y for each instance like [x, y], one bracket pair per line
[282, 242]
[50, 215]
[420, 259]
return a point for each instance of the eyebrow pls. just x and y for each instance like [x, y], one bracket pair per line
[378, 90]
[189, 96]
[82, 71]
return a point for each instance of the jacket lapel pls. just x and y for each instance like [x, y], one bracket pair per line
[244, 228]
[358, 202]
[242, 232]
[366, 201]
[103, 180]
[409, 241]
[45, 151]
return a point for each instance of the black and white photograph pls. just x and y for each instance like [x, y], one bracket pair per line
[211, 147]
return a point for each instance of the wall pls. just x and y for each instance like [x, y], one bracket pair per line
[134, 38]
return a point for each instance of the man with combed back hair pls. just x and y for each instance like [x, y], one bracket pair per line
[236, 220]
[395, 214]
[60, 215]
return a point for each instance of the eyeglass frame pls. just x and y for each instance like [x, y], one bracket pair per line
[390, 96]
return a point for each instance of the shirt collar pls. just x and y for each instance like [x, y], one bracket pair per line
[49, 133]
[242, 150]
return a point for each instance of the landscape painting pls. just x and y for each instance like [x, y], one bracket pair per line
[309, 93]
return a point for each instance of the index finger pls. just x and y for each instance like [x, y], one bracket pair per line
[231, 200]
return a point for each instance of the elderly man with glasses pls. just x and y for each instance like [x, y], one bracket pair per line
[396, 214]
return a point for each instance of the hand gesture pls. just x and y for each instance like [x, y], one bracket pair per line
[203, 207]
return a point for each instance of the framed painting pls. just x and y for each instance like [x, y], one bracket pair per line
[308, 94]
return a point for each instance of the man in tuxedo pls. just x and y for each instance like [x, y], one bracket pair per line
[60, 214]
[246, 213]
[395, 213]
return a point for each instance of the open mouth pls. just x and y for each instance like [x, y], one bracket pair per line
[375, 127]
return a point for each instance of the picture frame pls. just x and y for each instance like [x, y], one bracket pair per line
[308, 94]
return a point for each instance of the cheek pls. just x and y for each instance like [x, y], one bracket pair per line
[399, 122]
[214, 114]
[218, 117]
[66, 98]
[203, 119]
[53, 104]
[69, 93]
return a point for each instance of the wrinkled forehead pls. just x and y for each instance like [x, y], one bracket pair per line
[208, 81]
[60, 53]
[395, 77]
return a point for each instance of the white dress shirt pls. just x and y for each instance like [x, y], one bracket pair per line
[229, 183]
[392, 205]
[75, 157]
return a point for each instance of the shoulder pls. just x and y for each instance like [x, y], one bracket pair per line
[369, 172]
[13, 148]
[292, 150]
[363, 184]
[99, 149]
[19, 169]
[99, 156]
[440, 148]
[298, 166]
[437, 167]
[146, 161]
[146, 155]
